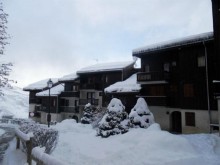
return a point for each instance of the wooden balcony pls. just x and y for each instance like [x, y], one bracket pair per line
[69, 109]
[70, 94]
[152, 77]
[91, 101]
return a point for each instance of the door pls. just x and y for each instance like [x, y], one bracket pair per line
[176, 122]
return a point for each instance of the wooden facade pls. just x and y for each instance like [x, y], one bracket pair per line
[176, 77]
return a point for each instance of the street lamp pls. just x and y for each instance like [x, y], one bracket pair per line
[49, 85]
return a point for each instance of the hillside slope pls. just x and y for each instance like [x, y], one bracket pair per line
[14, 102]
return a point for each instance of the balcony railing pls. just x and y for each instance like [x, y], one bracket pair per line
[70, 94]
[46, 109]
[96, 86]
[152, 76]
[86, 101]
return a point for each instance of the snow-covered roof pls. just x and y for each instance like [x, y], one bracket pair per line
[113, 66]
[175, 43]
[69, 77]
[129, 85]
[40, 85]
[54, 91]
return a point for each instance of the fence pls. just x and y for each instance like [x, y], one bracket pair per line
[36, 154]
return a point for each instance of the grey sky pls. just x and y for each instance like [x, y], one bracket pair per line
[52, 38]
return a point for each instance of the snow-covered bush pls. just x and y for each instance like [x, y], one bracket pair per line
[114, 121]
[140, 115]
[98, 114]
[87, 114]
[43, 136]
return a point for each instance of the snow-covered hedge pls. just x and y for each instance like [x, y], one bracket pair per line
[140, 115]
[42, 135]
[114, 121]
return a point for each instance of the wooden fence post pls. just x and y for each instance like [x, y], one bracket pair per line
[29, 149]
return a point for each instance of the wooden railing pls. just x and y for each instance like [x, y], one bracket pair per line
[36, 154]
[152, 76]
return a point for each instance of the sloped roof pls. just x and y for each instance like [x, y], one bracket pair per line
[105, 67]
[40, 85]
[54, 91]
[128, 85]
[69, 77]
[175, 43]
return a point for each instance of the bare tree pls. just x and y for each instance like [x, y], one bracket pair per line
[5, 68]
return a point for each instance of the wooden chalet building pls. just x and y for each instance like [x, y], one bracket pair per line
[53, 102]
[177, 80]
[127, 91]
[94, 79]
[34, 101]
[69, 98]
[71, 93]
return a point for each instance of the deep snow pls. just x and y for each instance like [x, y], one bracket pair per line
[78, 144]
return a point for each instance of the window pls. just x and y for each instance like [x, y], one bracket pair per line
[157, 91]
[147, 68]
[166, 67]
[90, 95]
[188, 90]
[174, 63]
[76, 103]
[64, 102]
[201, 61]
[75, 88]
[190, 119]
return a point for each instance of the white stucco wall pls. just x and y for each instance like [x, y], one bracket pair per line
[162, 116]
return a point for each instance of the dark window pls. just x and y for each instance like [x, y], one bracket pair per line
[190, 119]
[188, 90]
[90, 95]
[157, 91]
[147, 68]
[166, 67]
[64, 102]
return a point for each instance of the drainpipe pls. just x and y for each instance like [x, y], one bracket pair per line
[207, 86]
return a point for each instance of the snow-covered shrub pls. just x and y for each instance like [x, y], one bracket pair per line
[98, 114]
[140, 115]
[113, 122]
[87, 114]
[43, 136]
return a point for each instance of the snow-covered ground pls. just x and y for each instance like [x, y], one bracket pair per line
[14, 102]
[79, 145]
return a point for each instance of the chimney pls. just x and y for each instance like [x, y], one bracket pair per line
[216, 28]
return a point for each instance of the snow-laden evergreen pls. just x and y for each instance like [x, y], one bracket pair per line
[140, 114]
[114, 121]
[87, 114]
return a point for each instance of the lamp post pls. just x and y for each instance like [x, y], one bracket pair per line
[49, 85]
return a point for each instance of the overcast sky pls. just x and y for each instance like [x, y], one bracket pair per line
[52, 38]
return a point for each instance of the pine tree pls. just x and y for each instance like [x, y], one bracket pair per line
[114, 121]
[140, 115]
[87, 114]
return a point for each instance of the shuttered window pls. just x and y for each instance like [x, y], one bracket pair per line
[190, 119]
